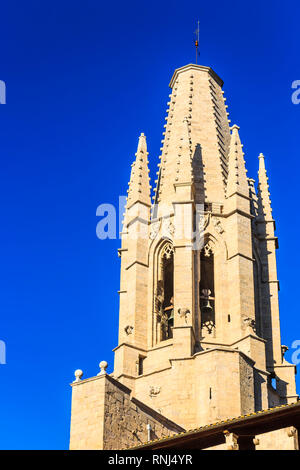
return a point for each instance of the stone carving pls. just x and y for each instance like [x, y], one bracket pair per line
[208, 321]
[154, 391]
[249, 323]
[167, 251]
[154, 229]
[208, 249]
[203, 219]
[209, 325]
[128, 329]
[291, 431]
[218, 226]
[231, 440]
[167, 228]
[183, 313]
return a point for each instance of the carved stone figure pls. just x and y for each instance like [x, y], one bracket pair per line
[249, 323]
[154, 229]
[128, 329]
[154, 391]
[183, 313]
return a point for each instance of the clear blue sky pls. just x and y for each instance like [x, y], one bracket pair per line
[83, 80]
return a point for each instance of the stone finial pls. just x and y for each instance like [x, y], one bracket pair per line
[78, 374]
[139, 186]
[264, 200]
[128, 329]
[103, 366]
[237, 174]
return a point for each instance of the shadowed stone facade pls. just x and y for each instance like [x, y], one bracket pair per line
[199, 332]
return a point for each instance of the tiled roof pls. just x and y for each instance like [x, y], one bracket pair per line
[218, 423]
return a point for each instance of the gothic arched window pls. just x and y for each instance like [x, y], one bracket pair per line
[164, 298]
[207, 288]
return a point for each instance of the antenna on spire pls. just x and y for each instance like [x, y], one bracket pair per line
[197, 41]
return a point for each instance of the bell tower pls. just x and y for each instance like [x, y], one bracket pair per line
[199, 331]
[199, 289]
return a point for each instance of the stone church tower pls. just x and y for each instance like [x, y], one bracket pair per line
[199, 332]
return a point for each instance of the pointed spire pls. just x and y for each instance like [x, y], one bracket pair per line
[264, 201]
[196, 96]
[237, 174]
[139, 186]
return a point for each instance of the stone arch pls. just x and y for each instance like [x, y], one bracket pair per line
[163, 290]
[212, 291]
[207, 286]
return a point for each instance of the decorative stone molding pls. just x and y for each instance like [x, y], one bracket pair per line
[183, 313]
[154, 391]
[203, 219]
[154, 229]
[209, 326]
[218, 226]
[231, 441]
[216, 207]
[249, 323]
[128, 329]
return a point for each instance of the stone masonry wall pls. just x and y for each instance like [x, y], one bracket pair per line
[105, 416]
[126, 419]
[247, 386]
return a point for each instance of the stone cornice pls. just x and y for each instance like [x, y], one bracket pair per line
[137, 262]
[242, 255]
[133, 346]
[240, 212]
[237, 193]
[138, 202]
[201, 68]
[137, 219]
